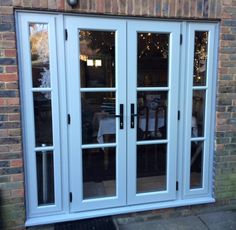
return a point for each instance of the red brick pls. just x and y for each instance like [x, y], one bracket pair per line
[2, 101]
[11, 85]
[36, 3]
[16, 2]
[151, 7]
[14, 117]
[101, 6]
[61, 4]
[158, 7]
[172, 9]
[26, 3]
[17, 193]
[11, 69]
[10, 53]
[3, 132]
[227, 2]
[114, 6]
[7, 44]
[52, 4]
[43, 3]
[12, 101]
[8, 36]
[8, 77]
[16, 163]
[17, 177]
[15, 147]
[6, 10]
[14, 132]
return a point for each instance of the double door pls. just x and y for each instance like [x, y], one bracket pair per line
[122, 84]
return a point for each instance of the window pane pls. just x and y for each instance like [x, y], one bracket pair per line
[152, 115]
[40, 55]
[200, 58]
[98, 120]
[45, 177]
[43, 118]
[151, 168]
[196, 164]
[198, 113]
[153, 55]
[99, 173]
[97, 58]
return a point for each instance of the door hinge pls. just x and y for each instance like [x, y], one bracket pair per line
[181, 39]
[178, 115]
[177, 185]
[70, 196]
[66, 34]
[68, 119]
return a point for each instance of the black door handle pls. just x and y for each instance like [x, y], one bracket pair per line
[121, 116]
[132, 115]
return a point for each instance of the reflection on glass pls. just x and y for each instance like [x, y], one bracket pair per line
[200, 58]
[151, 168]
[97, 58]
[43, 118]
[198, 113]
[196, 164]
[98, 120]
[40, 55]
[153, 55]
[45, 177]
[152, 115]
[99, 173]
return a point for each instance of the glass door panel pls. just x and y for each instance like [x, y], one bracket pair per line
[97, 115]
[152, 73]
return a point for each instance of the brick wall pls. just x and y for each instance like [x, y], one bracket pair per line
[11, 170]
[226, 106]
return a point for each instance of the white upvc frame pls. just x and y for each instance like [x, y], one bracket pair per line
[208, 149]
[73, 25]
[30, 149]
[64, 210]
[173, 29]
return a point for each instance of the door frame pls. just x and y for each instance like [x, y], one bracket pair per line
[48, 214]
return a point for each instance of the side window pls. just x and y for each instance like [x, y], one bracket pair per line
[199, 100]
[41, 116]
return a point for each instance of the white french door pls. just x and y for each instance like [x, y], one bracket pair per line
[123, 131]
[96, 76]
[153, 48]
[115, 120]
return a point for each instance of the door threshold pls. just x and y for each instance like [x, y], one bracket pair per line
[63, 217]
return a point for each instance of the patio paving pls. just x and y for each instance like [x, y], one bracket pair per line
[222, 220]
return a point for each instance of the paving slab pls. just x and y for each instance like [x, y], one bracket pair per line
[220, 220]
[180, 223]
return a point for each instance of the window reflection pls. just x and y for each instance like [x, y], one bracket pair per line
[98, 120]
[196, 172]
[152, 115]
[97, 58]
[43, 118]
[45, 177]
[200, 58]
[198, 113]
[153, 52]
[40, 55]
[151, 168]
[99, 172]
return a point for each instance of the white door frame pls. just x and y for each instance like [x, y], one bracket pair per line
[173, 29]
